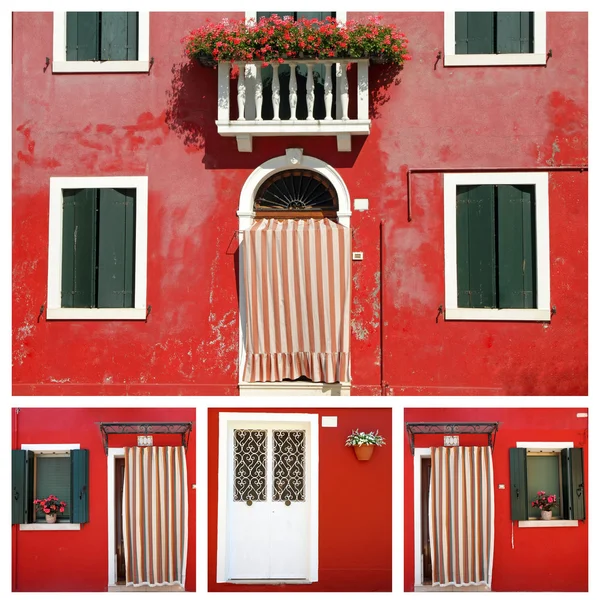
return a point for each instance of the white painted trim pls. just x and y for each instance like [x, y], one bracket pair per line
[40, 448]
[226, 419]
[50, 527]
[299, 127]
[553, 523]
[294, 388]
[542, 215]
[60, 64]
[340, 15]
[537, 57]
[246, 215]
[543, 446]
[110, 503]
[57, 185]
[420, 453]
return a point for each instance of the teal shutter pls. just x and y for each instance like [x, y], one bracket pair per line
[514, 32]
[519, 502]
[516, 246]
[82, 35]
[53, 477]
[573, 484]
[475, 246]
[79, 486]
[119, 31]
[116, 248]
[22, 486]
[474, 32]
[79, 248]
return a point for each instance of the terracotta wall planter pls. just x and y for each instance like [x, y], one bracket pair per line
[364, 452]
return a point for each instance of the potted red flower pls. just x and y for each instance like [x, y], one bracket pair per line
[51, 507]
[545, 502]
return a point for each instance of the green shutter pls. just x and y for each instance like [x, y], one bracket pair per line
[79, 486]
[516, 246]
[519, 502]
[78, 288]
[514, 32]
[53, 477]
[573, 484]
[475, 248]
[22, 486]
[82, 35]
[474, 32]
[259, 15]
[116, 248]
[543, 475]
[118, 36]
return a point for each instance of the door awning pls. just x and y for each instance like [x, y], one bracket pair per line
[183, 429]
[490, 429]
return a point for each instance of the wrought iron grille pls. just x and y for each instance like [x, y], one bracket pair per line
[296, 190]
[489, 429]
[183, 429]
[289, 449]
[249, 465]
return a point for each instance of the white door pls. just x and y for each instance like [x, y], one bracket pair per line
[268, 500]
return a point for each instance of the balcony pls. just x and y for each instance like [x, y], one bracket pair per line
[295, 98]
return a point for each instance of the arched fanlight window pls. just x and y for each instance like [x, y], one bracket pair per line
[296, 193]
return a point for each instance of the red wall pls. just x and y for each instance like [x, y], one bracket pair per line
[161, 124]
[518, 569]
[355, 505]
[82, 556]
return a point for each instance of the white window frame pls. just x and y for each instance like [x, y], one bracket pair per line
[537, 57]
[60, 64]
[40, 449]
[546, 447]
[54, 309]
[540, 181]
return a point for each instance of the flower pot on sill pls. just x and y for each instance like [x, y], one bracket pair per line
[546, 515]
[51, 518]
[206, 60]
[364, 452]
[378, 60]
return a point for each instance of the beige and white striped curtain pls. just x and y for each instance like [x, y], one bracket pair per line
[461, 516]
[297, 275]
[155, 516]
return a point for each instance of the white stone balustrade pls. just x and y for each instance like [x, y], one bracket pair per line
[249, 123]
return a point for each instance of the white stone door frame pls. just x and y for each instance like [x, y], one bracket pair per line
[420, 454]
[226, 419]
[112, 550]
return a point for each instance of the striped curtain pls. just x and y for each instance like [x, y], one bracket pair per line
[461, 516]
[297, 275]
[155, 516]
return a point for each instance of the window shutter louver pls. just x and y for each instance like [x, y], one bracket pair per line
[516, 246]
[573, 484]
[22, 487]
[79, 486]
[514, 33]
[519, 502]
[475, 251]
[116, 260]
[119, 36]
[474, 32]
[79, 248]
[82, 35]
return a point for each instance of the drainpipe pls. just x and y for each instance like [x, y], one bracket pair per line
[384, 385]
[580, 168]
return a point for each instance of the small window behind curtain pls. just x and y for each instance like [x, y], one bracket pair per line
[53, 477]
[301, 75]
[98, 250]
[496, 246]
[494, 32]
[543, 475]
[102, 36]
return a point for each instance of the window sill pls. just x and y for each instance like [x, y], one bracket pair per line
[491, 60]
[552, 523]
[113, 314]
[496, 314]
[294, 388]
[50, 527]
[105, 66]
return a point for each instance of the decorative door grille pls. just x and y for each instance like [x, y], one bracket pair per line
[250, 465]
[289, 449]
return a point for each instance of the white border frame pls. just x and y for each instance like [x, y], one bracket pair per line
[60, 64]
[110, 462]
[537, 57]
[57, 185]
[542, 219]
[293, 158]
[39, 449]
[546, 447]
[420, 454]
[226, 419]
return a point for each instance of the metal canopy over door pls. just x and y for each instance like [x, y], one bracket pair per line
[268, 501]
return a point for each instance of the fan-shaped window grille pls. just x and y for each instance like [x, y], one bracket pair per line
[296, 193]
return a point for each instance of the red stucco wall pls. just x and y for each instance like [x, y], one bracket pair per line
[519, 568]
[77, 561]
[161, 124]
[355, 505]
